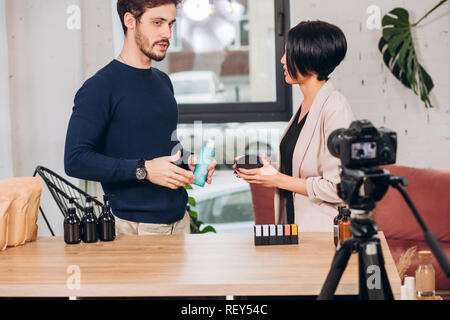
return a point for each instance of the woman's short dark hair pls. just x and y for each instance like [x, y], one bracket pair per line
[314, 47]
[137, 8]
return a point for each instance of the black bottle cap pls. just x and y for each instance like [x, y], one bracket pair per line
[72, 209]
[341, 209]
[89, 207]
[347, 213]
[106, 207]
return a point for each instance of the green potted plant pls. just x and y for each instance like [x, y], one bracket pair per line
[196, 224]
[399, 53]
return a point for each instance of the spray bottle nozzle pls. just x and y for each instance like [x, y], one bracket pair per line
[210, 143]
[90, 198]
[89, 206]
[72, 202]
[71, 209]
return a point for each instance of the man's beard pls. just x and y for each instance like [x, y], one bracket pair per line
[145, 48]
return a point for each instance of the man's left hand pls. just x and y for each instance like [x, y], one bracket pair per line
[193, 162]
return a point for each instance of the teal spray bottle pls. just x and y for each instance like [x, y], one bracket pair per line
[205, 158]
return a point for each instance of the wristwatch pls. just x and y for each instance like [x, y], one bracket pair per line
[141, 172]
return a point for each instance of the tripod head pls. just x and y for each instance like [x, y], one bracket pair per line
[362, 226]
[361, 188]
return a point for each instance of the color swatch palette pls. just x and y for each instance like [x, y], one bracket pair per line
[275, 234]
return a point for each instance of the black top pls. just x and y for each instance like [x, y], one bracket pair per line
[287, 147]
[120, 115]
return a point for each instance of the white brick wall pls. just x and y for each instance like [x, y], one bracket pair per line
[374, 93]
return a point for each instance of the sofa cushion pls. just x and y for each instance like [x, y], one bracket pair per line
[428, 190]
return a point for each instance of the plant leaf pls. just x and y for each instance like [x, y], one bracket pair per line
[395, 42]
[193, 218]
[381, 44]
[402, 16]
[193, 214]
[426, 84]
[404, 51]
[208, 229]
[399, 54]
[389, 32]
[427, 81]
[192, 202]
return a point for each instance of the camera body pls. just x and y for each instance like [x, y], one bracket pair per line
[363, 145]
[361, 148]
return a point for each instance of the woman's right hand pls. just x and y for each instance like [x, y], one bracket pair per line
[235, 160]
[267, 175]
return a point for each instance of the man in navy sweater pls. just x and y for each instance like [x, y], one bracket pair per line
[122, 131]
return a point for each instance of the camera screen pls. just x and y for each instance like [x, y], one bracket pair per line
[364, 150]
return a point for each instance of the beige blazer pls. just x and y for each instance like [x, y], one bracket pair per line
[313, 162]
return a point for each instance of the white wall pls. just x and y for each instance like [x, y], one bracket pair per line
[48, 62]
[6, 169]
[423, 134]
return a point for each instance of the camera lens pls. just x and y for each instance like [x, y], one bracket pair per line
[334, 142]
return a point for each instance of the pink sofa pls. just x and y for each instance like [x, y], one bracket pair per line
[429, 191]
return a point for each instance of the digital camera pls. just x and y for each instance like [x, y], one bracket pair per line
[363, 145]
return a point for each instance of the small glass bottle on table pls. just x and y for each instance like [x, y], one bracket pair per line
[425, 276]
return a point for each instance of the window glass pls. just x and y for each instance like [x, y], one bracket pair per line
[224, 52]
[234, 207]
[182, 87]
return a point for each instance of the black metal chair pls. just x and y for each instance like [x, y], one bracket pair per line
[62, 190]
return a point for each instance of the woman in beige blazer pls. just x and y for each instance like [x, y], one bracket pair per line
[307, 175]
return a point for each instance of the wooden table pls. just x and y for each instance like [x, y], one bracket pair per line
[177, 265]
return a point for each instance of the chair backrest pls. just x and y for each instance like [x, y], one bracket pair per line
[263, 205]
[62, 190]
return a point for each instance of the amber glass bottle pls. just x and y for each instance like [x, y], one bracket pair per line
[344, 227]
[336, 220]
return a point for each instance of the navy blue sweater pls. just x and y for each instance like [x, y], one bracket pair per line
[120, 115]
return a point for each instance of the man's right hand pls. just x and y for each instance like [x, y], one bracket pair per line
[163, 172]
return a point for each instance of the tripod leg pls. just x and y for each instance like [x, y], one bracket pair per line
[373, 280]
[338, 266]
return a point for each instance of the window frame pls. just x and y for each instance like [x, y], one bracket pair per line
[279, 110]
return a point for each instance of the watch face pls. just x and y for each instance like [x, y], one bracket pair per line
[141, 173]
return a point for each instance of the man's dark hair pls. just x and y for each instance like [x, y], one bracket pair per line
[138, 7]
[314, 47]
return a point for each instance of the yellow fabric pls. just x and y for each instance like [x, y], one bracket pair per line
[22, 198]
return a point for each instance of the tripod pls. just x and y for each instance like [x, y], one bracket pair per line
[373, 280]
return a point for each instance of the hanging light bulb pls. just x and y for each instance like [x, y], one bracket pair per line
[212, 11]
[229, 7]
[197, 10]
